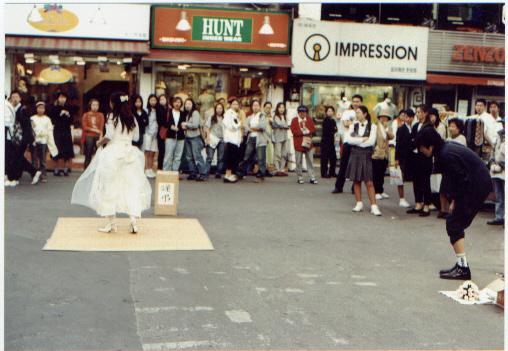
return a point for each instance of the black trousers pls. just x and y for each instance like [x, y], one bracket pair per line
[15, 161]
[328, 156]
[231, 157]
[344, 160]
[378, 174]
[161, 145]
[40, 154]
[465, 211]
[89, 148]
[422, 170]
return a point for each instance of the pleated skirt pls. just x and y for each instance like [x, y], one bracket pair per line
[359, 168]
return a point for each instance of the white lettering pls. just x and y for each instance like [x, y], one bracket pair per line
[207, 26]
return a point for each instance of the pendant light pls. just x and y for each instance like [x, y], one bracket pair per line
[183, 25]
[266, 29]
[34, 15]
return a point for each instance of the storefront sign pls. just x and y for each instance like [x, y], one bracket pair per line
[458, 52]
[199, 28]
[483, 54]
[96, 21]
[359, 50]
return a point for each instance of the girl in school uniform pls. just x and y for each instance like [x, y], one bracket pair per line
[362, 138]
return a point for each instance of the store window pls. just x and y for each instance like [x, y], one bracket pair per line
[206, 83]
[471, 17]
[411, 14]
[367, 13]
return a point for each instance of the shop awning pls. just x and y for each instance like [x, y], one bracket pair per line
[77, 45]
[464, 80]
[216, 57]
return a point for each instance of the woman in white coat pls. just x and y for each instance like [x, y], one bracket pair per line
[115, 181]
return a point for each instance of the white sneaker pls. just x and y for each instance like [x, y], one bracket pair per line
[14, 183]
[7, 182]
[374, 209]
[403, 203]
[379, 197]
[385, 196]
[358, 207]
[36, 177]
[432, 207]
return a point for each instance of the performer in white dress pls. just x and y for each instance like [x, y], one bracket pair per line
[115, 181]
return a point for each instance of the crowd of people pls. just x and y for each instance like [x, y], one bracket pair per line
[241, 144]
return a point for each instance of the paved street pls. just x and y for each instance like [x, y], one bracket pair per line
[293, 267]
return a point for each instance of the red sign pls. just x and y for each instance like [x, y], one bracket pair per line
[478, 54]
[219, 29]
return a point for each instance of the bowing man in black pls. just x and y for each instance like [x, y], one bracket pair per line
[421, 168]
[328, 154]
[469, 184]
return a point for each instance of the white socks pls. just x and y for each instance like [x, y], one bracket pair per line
[461, 260]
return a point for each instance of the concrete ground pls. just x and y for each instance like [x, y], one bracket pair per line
[293, 267]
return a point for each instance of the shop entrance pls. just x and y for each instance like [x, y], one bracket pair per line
[102, 92]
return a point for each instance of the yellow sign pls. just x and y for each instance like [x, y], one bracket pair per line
[53, 20]
[55, 75]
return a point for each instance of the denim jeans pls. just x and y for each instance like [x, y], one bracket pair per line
[196, 164]
[499, 189]
[220, 158]
[248, 159]
[173, 154]
[281, 155]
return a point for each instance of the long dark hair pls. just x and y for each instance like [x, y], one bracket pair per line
[277, 110]
[365, 110]
[214, 117]
[193, 108]
[121, 111]
[148, 107]
[133, 100]
[430, 112]
[167, 101]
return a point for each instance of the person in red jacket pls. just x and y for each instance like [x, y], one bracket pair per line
[303, 128]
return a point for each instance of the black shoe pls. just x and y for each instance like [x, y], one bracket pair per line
[60, 173]
[457, 273]
[201, 178]
[424, 213]
[218, 176]
[496, 222]
[337, 191]
[268, 174]
[192, 177]
[442, 215]
[313, 181]
[66, 173]
[56, 173]
[414, 211]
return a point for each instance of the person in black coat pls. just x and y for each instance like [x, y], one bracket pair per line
[403, 150]
[17, 139]
[162, 111]
[61, 117]
[421, 168]
[468, 185]
[141, 117]
[328, 154]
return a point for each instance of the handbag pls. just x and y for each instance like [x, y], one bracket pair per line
[435, 182]
[307, 142]
[163, 131]
[396, 176]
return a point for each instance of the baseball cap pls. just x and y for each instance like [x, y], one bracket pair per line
[302, 108]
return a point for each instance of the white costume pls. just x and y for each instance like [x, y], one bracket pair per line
[115, 181]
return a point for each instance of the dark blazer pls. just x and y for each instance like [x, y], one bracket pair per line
[161, 113]
[142, 120]
[170, 121]
[329, 130]
[421, 163]
[465, 174]
[23, 117]
[403, 144]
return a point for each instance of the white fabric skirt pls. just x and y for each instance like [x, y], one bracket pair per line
[114, 182]
[150, 143]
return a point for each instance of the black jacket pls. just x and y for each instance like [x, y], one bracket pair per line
[23, 117]
[403, 144]
[464, 172]
[170, 121]
[142, 121]
[329, 130]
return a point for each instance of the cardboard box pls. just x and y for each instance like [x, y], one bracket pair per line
[166, 193]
